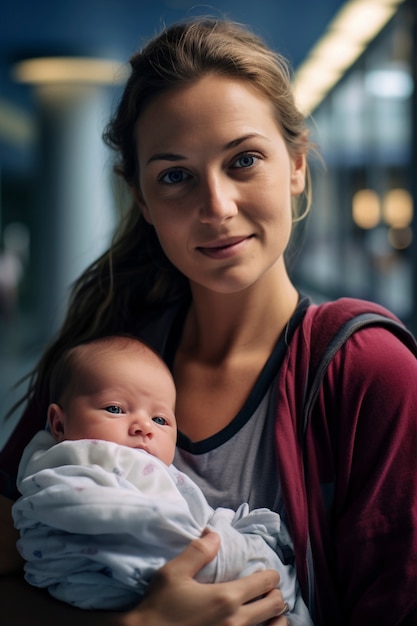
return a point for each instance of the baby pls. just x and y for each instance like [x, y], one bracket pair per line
[102, 506]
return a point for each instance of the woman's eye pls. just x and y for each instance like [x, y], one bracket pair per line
[173, 177]
[159, 420]
[116, 410]
[245, 160]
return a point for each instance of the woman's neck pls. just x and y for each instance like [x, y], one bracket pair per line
[221, 325]
[226, 341]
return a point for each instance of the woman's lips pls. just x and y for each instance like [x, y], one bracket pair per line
[224, 248]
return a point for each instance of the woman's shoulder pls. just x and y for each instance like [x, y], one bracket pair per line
[330, 326]
[362, 352]
[329, 316]
[325, 348]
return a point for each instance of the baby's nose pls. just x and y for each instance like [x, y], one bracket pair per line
[141, 426]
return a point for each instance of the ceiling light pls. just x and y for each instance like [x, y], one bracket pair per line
[69, 70]
[366, 209]
[397, 208]
[347, 36]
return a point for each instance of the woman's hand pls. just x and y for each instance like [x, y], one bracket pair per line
[176, 598]
[278, 621]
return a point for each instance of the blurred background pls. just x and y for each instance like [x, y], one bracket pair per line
[62, 65]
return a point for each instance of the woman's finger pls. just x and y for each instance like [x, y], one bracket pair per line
[257, 586]
[195, 556]
[279, 621]
[269, 607]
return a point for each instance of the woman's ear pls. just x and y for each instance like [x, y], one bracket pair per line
[56, 421]
[137, 194]
[298, 174]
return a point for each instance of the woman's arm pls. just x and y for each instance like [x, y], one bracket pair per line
[28, 606]
[10, 560]
[376, 495]
[175, 598]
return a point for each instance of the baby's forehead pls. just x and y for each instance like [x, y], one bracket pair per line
[114, 348]
[114, 345]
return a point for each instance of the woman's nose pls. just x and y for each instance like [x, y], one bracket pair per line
[217, 200]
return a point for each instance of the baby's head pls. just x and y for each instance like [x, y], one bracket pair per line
[116, 389]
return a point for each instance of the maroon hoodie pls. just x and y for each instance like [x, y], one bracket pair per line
[351, 501]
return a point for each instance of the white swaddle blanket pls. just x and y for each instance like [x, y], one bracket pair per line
[97, 520]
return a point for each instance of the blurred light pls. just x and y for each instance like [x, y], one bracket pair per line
[400, 238]
[397, 208]
[16, 238]
[16, 124]
[69, 70]
[391, 82]
[313, 83]
[366, 209]
[355, 25]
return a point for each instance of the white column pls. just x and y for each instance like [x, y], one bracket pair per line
[74, 217]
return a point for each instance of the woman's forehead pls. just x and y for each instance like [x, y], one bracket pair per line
[229, 106]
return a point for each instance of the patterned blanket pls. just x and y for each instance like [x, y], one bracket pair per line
[97, 520]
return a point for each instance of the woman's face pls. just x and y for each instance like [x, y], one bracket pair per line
[216, 182]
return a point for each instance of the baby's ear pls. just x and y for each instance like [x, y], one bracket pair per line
[56, 421]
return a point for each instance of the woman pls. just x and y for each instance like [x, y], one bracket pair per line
[214, 151]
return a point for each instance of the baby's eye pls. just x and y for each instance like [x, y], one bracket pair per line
[174, 176]
[245, 160]
[116, 410]
[159, 420]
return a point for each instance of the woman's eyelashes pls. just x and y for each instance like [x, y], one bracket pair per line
[177, 175]
[173, 176]
[245, 161]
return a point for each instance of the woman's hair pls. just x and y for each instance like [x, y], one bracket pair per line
[134, 275]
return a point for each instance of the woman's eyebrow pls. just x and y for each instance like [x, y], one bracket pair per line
[236, 142]
[170, 156]
[165, 156]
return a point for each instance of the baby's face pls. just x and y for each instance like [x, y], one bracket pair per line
[125, 397]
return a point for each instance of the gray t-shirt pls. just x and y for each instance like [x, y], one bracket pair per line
[238, 468]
